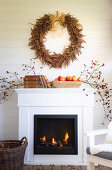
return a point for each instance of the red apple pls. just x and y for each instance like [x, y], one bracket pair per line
[68, 78]
[59, 78]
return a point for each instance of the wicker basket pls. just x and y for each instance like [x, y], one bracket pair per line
[12, 154]
[67, 84]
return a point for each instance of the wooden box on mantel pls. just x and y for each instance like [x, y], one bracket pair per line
[67, 84]
[32, 81]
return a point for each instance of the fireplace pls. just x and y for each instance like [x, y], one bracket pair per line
[55, 102]
[55, 134]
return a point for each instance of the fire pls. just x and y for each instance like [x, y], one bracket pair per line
[43, 139]
[53, 141]
[66, 138]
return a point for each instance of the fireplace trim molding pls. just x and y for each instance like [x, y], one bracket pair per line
[63, 101]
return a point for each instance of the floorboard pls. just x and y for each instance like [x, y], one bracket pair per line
[61, 167]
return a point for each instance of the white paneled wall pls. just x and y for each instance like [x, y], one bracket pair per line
[15, 16]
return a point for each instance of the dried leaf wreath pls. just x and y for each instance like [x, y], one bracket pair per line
[41, 28]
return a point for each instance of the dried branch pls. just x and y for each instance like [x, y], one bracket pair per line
[13, 81]
[93, 77]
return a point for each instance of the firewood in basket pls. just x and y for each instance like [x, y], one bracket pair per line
[1, 144]
[42, 168]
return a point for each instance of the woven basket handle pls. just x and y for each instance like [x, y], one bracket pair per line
[1, 144]
[24, 138]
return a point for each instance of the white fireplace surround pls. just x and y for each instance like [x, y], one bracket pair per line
[62, 101]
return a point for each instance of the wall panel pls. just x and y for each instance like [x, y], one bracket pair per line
[94, 15]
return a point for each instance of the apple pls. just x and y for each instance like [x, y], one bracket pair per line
[74, 78]
[59, 78]
[68, 78]
[62, 79]
[56, 79]
[79, 79]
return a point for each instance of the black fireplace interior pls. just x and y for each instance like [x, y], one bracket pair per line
[55, 134]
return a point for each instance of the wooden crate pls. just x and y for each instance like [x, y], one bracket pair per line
[67, 84]
[32, 81]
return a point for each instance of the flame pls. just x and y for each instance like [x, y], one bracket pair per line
[66, 138]
[43, 139]
[53, 141]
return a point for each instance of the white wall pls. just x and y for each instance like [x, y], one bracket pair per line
[94, 15]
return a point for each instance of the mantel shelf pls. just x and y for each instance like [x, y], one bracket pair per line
[52, 90]
[54, 97]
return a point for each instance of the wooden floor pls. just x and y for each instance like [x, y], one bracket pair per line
[52, 167]
[62, 167]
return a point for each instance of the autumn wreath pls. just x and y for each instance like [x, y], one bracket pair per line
[45, 24]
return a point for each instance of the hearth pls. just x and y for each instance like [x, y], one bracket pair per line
[56, 134]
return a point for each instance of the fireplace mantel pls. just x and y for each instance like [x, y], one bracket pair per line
[61, 101]
[54, 97]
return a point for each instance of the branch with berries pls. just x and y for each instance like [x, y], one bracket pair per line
[8, 84]
[12, 80]
[92, 76]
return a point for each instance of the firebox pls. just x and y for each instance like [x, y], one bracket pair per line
[56, 134]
